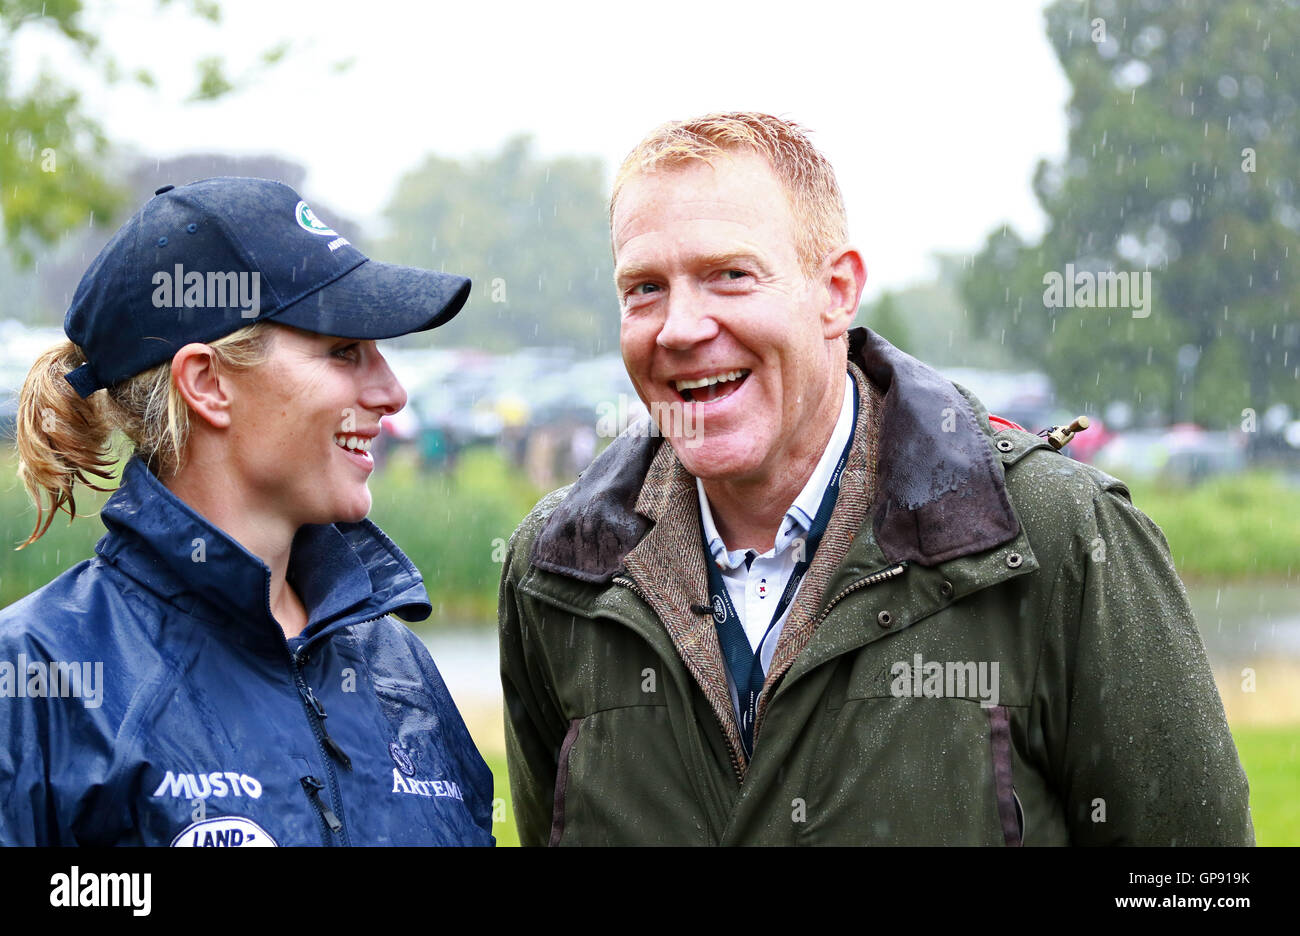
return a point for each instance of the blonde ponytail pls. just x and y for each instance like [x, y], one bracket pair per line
[64, 440]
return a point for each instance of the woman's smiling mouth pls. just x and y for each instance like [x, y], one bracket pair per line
[356, 448]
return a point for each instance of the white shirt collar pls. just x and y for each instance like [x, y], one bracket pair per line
[799, 518]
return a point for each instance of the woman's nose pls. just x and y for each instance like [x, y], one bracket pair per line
[383, 391]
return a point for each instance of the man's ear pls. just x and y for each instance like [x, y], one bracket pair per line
[194, 370]
[845, 277]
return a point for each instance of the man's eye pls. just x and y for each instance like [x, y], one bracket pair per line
[734, 274]
[642, 289]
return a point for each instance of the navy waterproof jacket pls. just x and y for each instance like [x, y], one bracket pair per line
[148, 696]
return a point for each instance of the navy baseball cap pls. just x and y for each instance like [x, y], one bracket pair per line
[206, 259]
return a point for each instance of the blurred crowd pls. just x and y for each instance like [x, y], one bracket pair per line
[550, 412]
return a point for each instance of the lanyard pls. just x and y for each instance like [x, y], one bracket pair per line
[744, 665]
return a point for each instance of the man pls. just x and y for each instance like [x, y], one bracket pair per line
[843, 604]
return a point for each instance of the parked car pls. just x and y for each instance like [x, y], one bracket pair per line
[1182, 453]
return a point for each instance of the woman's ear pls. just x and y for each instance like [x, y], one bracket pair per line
[202, 388]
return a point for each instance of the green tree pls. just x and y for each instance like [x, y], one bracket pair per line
[884, 317]
[52, 152]
[929, 320]
[531, 233]
[1182, 162]
[48, 146]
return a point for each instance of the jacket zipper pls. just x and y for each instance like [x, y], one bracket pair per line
[310, 784]
[312, 787]
[636, 590]
[874, 578]
[328, 746]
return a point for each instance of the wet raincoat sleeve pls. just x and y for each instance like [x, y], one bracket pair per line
[1138, 737]
[35, 732]
[23, 769]
[533, 722]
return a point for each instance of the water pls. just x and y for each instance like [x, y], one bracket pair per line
[1244, 622]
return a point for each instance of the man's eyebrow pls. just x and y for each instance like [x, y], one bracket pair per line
[730, 259]
[633, 271]
[722, 259]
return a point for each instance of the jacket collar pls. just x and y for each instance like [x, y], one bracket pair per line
[343, 572]
[940, 493]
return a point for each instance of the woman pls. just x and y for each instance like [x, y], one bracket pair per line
[224, 670]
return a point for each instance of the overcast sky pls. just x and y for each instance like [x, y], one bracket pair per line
[933, 112]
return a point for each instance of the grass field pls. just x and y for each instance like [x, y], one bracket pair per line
[1271, 756]
[1239, 527]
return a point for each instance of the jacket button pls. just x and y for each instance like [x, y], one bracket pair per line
[884, 619]
[1014, 560]
[1005, 445]
[946, 589]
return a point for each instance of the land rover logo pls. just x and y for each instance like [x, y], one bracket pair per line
[308, 221]
[719, 610]
[224, 832]
[402, 759]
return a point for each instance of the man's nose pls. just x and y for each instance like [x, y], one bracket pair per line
[687, 321]
[382, 390]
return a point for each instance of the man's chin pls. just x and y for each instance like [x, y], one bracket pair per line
[714, 459]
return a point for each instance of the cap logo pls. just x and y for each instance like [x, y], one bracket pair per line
[308, 221]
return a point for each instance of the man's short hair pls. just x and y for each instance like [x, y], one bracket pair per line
[809, 180]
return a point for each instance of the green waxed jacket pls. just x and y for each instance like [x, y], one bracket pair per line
[991, 646]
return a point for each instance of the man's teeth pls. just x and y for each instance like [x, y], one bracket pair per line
[352, 442]
[709, 381]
